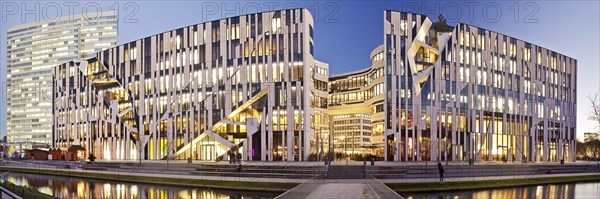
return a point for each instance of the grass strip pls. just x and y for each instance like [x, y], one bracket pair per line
[486, 184]
[216, 184]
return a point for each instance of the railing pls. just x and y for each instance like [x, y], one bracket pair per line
[380, 189]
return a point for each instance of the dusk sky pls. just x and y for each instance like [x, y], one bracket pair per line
[346, 32]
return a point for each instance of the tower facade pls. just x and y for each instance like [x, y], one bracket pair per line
[33, 50]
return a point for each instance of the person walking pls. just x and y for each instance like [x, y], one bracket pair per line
[239, 169]
[441, 170]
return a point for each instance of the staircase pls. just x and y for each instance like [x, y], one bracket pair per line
[259, 171]
[346, 172]
[115, 95]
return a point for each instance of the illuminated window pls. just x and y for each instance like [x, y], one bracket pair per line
[196, 57]
[133, 53]
[216, 34]
[461, 74]
[235, 31]
[478, 77]
[195, 38]
[513, 66]
[467, 57]
[127, 55]
[513, 50]
[466, 39]
[479, 59]
[276, 25]
[527, 54]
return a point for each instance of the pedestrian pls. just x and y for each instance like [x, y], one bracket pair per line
[441, 170]
[239, 169]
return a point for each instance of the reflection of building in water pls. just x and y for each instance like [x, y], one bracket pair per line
[571, 190]
[67, 187]
[542, 191]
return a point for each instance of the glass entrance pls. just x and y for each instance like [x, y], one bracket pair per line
[207, 152]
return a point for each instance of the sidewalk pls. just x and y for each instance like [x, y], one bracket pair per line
[470, 179]
[32, 165]
[343, 162]
[177, 176]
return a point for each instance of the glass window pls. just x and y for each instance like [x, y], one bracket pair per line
[235, 31]
[276, 25]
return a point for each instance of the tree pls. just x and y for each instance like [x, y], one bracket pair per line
[92, 157]
[140, 149]
[441, 25]
[595, 108]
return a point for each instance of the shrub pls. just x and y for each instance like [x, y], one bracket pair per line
[92, 157]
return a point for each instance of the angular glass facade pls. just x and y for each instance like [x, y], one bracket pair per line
[247, 84]
[476, 94]
[251, 85]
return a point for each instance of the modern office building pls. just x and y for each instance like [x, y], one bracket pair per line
[33, 50]
[464, 92]
[435, 92]
[356, 111]
[251, 85]
[247, 84]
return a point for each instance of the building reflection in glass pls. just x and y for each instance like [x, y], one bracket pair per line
[569, 190]
[71, 187]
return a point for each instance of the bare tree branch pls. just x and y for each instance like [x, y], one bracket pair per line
[595, 108]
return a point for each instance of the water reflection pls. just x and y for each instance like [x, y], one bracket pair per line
[567, 190]
[70, 187]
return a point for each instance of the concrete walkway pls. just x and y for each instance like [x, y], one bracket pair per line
[343, 190]
[317, 188]
[468, 179]
[19, 164]
[343, 162]
[182, 176]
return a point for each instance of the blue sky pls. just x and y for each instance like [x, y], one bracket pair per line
[347, 31]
